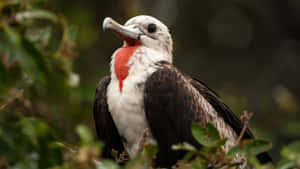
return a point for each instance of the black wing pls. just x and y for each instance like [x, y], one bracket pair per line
[169, 114]
[222, 109]
[171, 107]
[229, 116]
[105, 126]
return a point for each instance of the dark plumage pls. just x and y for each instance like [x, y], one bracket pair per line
[146, 92]
[170, 108]
[106, 129]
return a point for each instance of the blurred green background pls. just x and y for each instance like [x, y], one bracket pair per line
[246, 50]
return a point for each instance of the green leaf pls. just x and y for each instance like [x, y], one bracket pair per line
[292, 151]
[285, 164]
[135, 160]
[235, 150]
[4, 74]
[250, 148]
[205, 136]
[4, 3]
[184, 146]
[150, 151]
[188, 156]
[213, 132]
[84, 134]
[217, 145]
[254, 147]
[27, 55]
[36, 14]
[71, 34]
[200, 134]
[5, 138]
[39, 69]
[199, 164]
[108, 165]
[290, 155]
[34, 128]
[38, 36]
[13, 36]
[220, 142]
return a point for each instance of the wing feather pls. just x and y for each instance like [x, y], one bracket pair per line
[169, 114]
[171, 106]
[105, 126]
[228, 115]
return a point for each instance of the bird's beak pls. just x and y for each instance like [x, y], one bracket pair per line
[130, 35]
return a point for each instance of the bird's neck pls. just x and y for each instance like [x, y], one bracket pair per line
[121, 66]
[127, 59]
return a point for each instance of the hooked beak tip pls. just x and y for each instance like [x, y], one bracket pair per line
[107, 23]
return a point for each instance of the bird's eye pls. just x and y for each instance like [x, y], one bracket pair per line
[151, 28]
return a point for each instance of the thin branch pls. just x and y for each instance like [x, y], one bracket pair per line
[245, 119]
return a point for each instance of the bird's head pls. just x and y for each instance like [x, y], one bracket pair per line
[143, 30]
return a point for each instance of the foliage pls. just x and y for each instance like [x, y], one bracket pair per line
[37, 86]
[34, 62]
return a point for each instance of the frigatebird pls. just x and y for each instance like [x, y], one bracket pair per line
[145, 91]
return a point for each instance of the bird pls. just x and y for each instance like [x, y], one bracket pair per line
[146, 92]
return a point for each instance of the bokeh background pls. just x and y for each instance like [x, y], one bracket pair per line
[248, 51]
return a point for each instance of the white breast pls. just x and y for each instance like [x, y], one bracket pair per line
[127, 107]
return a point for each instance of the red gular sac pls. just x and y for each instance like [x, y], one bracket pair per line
[122, 58]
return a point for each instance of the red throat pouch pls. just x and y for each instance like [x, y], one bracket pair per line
[121, 62]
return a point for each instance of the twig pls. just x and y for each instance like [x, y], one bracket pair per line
[245, 119]
[143, 138]
[119, 157]
[16, 95]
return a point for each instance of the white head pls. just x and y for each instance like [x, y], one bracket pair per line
[143, 30]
